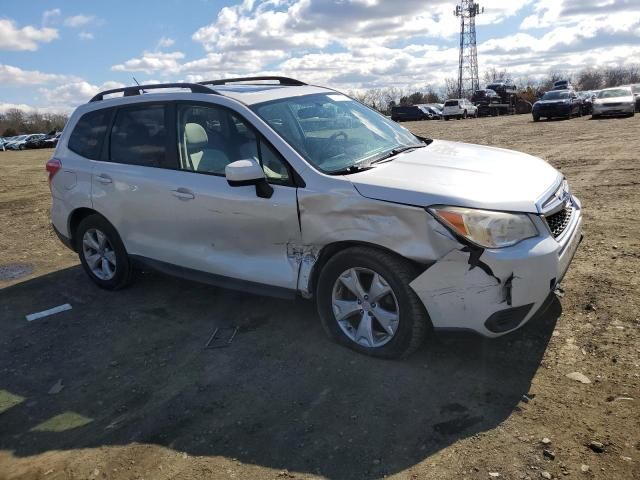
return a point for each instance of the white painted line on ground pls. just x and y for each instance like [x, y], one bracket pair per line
[61, 308]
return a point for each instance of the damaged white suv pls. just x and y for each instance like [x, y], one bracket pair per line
[288, 189]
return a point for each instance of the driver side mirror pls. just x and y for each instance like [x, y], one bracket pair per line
[242, 173]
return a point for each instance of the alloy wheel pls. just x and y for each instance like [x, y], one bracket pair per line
[99, 254]
[365, 307]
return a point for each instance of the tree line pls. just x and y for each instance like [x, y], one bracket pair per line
[529, 88]
[18, 122]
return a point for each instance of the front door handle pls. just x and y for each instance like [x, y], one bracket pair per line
[104, 178]
[183, 194]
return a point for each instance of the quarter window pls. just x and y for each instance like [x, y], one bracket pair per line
[138, 136]
[88, 135]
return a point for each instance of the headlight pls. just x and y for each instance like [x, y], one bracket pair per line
[486, 228]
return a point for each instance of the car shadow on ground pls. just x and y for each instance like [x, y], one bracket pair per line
[133, 368]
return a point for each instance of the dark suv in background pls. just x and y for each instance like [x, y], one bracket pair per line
[411, 113]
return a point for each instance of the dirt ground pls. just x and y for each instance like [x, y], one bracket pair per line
[121, 386]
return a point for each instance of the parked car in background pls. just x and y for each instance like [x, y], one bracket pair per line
[459, 108]
[503, 87]
[433, 110]
[391, 233]
[22, 142]
[586, 97]
[39, 141]
[557, 103]
[410, 113]
[35, 141]
[52, 141]
[614, 101]
[486, 96]
[636, 93]
[15, 142]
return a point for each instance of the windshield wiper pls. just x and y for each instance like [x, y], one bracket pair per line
[396, 151]
[352, 169]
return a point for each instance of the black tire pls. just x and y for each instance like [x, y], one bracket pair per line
[414, 322]
[536, 118]
[124, 271]
[446, 119]
[594, 116]
[464, 115]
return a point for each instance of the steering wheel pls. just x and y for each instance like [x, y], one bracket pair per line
[331, 141]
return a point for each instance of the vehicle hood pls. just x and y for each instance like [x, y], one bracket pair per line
[605, 101]
[460, 174]
[551, 102]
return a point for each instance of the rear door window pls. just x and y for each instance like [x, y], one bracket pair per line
[89, 133]
[139, 136]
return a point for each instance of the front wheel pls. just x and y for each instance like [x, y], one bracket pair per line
[536, 118]
[446, 119]
[366, 304]
[102, 253]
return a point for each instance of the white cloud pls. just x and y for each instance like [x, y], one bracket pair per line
[78, 20]
[85, 36]
[166, 42]
[10, 75]
[152, 62]
[68, 96]
[50, 15]
[30, 108]
[26, 38]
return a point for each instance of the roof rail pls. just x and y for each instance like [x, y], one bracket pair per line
[138, 89]
[291, 82]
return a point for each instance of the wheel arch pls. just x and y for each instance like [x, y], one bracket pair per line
[77, 216]
[330, 250]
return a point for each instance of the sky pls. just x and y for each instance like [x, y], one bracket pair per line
[55, 55]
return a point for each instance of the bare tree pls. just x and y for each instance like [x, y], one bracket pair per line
[492, 74]
[450, 88]
[16, 122]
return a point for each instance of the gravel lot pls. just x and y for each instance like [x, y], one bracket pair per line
[121, 386]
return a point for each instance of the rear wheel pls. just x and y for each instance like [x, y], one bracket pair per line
[464, 115]
[366, 304]
[102, 253]
[446, 118]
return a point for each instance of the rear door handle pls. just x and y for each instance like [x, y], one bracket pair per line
[183, 194]
[104, 178]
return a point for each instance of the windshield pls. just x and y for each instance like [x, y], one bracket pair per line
[334, 132]
[618, 92]
[555, 96]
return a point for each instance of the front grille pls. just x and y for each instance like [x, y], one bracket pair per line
[559, 221]
[613, 104]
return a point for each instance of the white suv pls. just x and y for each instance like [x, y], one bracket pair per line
[289, 189]
[459, 108]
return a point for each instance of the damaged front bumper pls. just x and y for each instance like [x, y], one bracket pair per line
[495, 291]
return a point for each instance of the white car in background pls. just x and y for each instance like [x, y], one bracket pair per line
[614, 101]
[459, 108]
